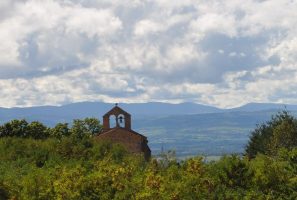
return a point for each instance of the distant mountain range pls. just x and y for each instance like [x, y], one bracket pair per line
[66, 113]
[53, 114]
[251, 107]
[188, 128]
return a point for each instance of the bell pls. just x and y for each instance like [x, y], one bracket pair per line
[121, 119]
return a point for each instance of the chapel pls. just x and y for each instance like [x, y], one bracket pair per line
[117, 129]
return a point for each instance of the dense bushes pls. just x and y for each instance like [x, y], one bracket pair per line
[69, 168]
[21, 128]
[38, 162]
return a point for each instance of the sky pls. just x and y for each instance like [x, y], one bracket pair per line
[224, 53]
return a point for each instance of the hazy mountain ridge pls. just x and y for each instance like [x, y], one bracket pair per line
[97, 109]
[250, 107]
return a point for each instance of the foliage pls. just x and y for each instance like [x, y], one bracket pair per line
[267, 138]
[60, 130]
[21, 128]
[68, 168]
[16, 128]
[37, 130]
[85, 128]
[62, 162]
[284, 136]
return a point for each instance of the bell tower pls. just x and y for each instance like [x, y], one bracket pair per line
[117, 129]
[121, 117]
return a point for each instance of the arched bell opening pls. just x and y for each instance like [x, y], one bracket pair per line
[112, 121]
[121, 121]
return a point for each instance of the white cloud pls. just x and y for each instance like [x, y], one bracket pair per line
[48, 34]
[212, 22]
[145, 27]
[92, 22]
[224, 53]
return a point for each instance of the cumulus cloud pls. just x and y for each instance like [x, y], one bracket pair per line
[223, 53]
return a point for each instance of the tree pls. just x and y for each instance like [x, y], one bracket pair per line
[85, 127]
[14, 128]
[284, 136]
[92, 125]
[37, 130]
[60, 130]
[234, 172]
[280, 131]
